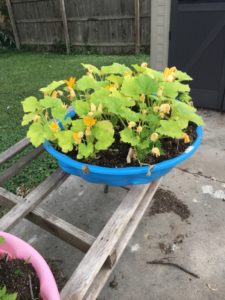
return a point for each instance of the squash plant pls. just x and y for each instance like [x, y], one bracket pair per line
[140, 104]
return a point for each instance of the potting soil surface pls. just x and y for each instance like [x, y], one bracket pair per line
[116, 155]
[19, 276]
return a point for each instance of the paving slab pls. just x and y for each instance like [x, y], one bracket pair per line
[196, 243]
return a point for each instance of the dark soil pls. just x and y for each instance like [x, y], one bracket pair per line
[115, 157]
[167, 201]
[19, 276]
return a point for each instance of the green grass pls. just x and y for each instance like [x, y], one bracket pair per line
[22, 74]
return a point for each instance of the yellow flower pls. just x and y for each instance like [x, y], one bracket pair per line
[54, 126]
[142, 98]
[156, 109]
[54, 94]
[93, 107]
[89, 121]
[160, 91]
[165, 108]
[154, 137]
[186, 138]
[72, 94]
[131, 124]
[127, 73]
[70, 82]
[100, 108]
[162, 115]
[156, 151]
[139, 129]
[88, 131]
[77, 136]
[36, 118]
[64, 105]
[144, 65]
[46, 114]
[169, 74]
[144, 111]
[110, 87]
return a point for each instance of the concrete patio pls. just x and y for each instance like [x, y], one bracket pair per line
[196, 242]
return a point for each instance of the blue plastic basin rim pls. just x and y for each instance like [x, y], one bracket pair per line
[127, 170]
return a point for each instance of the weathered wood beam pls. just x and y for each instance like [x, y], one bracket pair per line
[14, 169]
[105, 272]
[105, 243]
[21, 209]
[12, 19]
[65, 25]
[137, 26]
[51, 223]
[13, 150]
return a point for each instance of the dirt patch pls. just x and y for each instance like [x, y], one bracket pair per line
[166, 201]
[19, 276]
[116, 155]
[3, 211]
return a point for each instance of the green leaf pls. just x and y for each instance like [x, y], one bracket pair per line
[128, 114]
[170, 89]
[36, 134]
[51, 87]
[78, 125]
[143, 84]
[59, 112]
[182, 76]
[98, 96]
[65, 140]
[170, 128]
[30, 104]
[2, 240]
[147, 85]
[182, 111]
[85, 150]
[48, 134]
[115, 68]
[91, 68]
[81, 108]
[115, 79]
[127, 135]
[103, 132]
[86, 83]
[49, 102]
[27, 118]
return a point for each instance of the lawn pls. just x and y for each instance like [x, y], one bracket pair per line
[23, 74]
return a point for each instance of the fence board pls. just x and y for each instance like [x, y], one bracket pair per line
[100, 25]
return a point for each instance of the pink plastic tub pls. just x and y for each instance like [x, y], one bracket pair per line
[17, 248]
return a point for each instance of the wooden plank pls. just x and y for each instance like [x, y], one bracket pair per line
[105, 272]
[13, 150]
[82, 278]
[65, 26]
[137, 26]
[32, 200]
[79, 19]
[51, 223]
[14, 28]
[14, 169]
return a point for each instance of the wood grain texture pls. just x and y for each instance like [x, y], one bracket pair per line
[31, 201]
[84, 24]
[14, 169]
[105, 272]
[13, 150]
[13, 24]
[51, 223]
[65, 25]
[137, 26]
[84, 275]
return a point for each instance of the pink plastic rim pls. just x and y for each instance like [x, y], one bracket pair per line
[17, 248]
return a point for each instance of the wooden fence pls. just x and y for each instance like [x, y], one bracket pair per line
[106, 26]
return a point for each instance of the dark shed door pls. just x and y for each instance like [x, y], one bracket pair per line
[197, 45]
